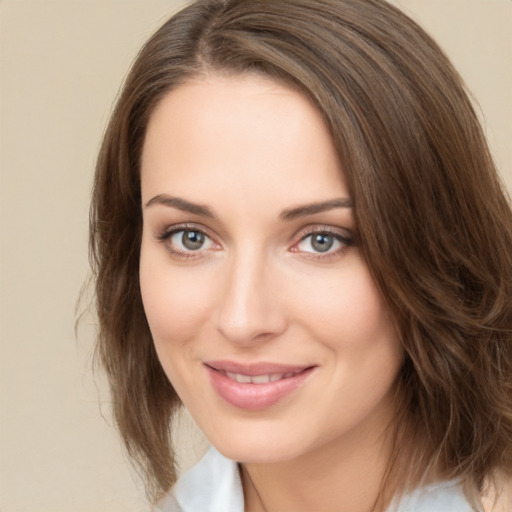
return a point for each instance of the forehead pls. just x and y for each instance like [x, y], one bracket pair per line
[244, 133]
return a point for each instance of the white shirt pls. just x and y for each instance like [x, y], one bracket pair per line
[213, 485]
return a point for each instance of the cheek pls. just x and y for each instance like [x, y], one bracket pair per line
[348, 317]
[176, 303]
[346, 307]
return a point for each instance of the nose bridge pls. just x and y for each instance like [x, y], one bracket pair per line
[248, 309]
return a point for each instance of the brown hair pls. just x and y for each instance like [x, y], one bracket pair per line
[435, 223]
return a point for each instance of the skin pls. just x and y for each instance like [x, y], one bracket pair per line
[258, 289]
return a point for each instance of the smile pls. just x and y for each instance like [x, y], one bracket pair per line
[257, 386]
[258, 379]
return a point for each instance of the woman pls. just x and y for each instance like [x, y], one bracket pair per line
[298, 233]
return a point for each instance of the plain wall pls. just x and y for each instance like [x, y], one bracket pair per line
[61, 64]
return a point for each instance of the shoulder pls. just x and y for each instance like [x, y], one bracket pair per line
[212, 485]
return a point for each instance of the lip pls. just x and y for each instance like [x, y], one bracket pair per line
[251, 396]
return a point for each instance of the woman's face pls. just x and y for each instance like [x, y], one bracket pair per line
[262, 309]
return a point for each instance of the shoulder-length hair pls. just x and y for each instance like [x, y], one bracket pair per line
[435, 223]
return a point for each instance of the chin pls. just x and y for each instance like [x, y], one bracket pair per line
[256, 446]
[252, 453]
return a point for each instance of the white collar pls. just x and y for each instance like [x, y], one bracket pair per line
[214, 485]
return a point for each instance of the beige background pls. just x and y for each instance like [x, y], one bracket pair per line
[61, 63]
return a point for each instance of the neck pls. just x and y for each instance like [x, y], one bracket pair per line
[345, 474]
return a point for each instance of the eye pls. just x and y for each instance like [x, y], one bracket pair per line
[319, 242]
[187, 241]
[322, 242]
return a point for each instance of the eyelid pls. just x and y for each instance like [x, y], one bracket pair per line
[168, 230]
[343, 235]
[163, 236]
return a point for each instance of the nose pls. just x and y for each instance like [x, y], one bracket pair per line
[248, 310]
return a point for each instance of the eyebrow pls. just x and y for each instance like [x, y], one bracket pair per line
[181, 204]
[311, 209]
[286, 215]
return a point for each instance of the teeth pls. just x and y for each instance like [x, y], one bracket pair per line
[238, 377]
[258, 379]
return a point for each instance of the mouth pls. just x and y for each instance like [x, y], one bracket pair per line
[257, 379]
[255, 386]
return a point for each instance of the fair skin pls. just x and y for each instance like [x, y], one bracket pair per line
[242, 278]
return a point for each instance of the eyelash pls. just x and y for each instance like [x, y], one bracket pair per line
[346, 241]
[165, 237]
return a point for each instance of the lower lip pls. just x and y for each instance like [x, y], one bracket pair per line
[255, 397]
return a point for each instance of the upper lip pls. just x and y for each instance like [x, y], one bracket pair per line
[254, 369]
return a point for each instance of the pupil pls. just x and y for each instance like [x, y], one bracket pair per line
[192, 240]
[322, 243]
